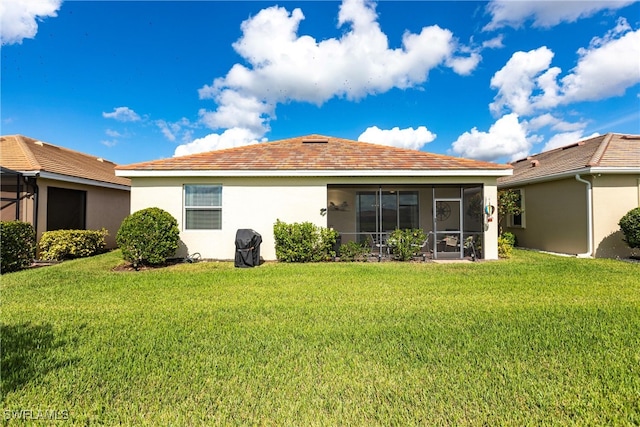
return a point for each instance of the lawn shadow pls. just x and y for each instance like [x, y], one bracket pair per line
[27, 353]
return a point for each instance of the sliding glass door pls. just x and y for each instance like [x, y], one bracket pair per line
[380, 212]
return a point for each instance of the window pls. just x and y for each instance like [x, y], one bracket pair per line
[66, 209]
[517, 221]
[203, 207]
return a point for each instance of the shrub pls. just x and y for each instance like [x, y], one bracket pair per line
[66, 244]
[148, 237]
[630, 226]
[505, 247]
[511, 238]
[405, 244]
[354, 251]
[304, 242]
[18, 245]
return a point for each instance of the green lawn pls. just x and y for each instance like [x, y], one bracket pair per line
[535, 340]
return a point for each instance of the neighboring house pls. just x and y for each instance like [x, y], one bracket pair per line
[55, 188]
[573, 197]
[361, 190]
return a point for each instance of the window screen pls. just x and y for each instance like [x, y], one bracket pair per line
[203, 207]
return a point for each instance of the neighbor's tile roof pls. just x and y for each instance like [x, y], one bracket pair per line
[24, 154]
[612, 150]
[314, 152]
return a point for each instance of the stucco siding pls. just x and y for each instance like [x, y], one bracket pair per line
[256, 203]
[613, 197]
[105, 207]
[555, 217]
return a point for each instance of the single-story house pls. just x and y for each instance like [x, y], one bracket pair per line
[362, 190]
[573, 197]
[55, 188]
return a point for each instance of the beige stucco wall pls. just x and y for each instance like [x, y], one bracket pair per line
[257, 203]
[105, 207]
[555, 217]
[613, 197]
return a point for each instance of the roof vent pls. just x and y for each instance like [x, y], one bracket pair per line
[315, 141]
[535, 163]
[40, 143]
[100, 159]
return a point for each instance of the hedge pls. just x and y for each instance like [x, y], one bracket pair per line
[18, 247]
[304, 242]
[59, 245]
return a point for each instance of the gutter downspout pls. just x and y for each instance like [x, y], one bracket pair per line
[589, 253]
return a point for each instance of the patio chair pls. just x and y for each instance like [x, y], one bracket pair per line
[423, 248]
[451, 242]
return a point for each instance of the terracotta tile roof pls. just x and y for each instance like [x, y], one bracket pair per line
[612, 150]
[25, 154]
[314, 152]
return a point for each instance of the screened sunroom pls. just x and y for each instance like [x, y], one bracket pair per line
[451, 216]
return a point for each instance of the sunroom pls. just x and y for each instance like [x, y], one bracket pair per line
[451, 216]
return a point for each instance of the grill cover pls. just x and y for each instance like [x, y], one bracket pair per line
[247, 248]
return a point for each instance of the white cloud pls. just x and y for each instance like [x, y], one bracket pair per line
[282, 66]
[566, 138]
[404, 138]
[171, 129]
[545, 14]
[113, 133]
[517, 80]
[548, 120]
[230, 138]
[122, 114]
[507, 137]
[607, 68]
[19, 18]
[494, 43]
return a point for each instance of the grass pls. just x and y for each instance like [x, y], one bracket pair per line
[535, 340]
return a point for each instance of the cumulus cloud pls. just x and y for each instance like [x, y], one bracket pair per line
[404, 138]
[283, 66]
[122, 114]
[507, 137]
[516, 81]
[545, 14]
[230, 138]
[608, 67]
[19, 18]
[566, 138]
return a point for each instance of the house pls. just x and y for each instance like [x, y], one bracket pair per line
[573, 197]
[361, 190]
[56, 188]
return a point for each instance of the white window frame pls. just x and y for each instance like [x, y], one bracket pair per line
[511, 218]
[186, 208]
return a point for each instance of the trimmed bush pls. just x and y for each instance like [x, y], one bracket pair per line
[510, 237]
[505, 247]
[18, 245]
[630, 226]
[59, 245]
[148, 237]
[354, 251]
[304, 242]
[405, 244]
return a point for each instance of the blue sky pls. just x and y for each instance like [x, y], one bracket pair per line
[141, 80]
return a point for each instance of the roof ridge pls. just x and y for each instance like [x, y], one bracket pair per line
[602, 148]
[26, 150]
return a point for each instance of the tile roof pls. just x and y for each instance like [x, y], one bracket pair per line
[314, 152]
[612, 150]
[24, 154]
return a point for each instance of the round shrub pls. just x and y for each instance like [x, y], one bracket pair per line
[148, 237]
[630, 226]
